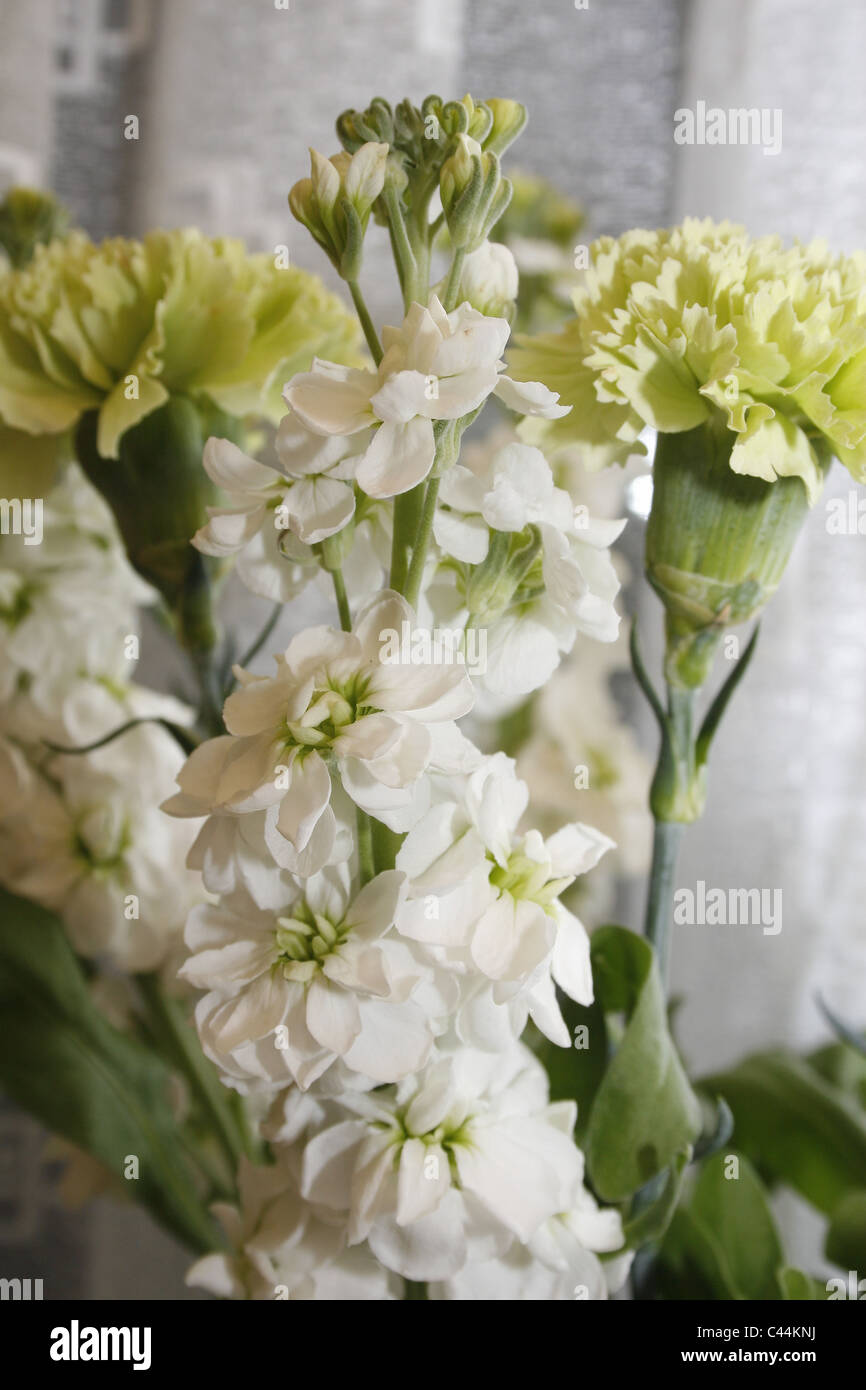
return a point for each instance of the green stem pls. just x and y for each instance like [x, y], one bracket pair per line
[414, 1292]
[404, 254]
[342, 600]
[185, 1053]
[452, 284]
[366, 322]
[365, 847]
[659, 912]
[422, 541]
[407, 516]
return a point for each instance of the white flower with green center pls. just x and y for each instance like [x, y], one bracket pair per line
[79, 567]
[437, 366]
[323, 977]
[521, 563]
[335, 709]
[450, 1166]
[280, 1249]
[498, 915]
[81, 836]
[277, 514]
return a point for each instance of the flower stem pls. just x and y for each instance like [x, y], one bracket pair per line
[366, 322]
[404, 254]
[452, 284]
[365, 847]
[184, 1052]
[342, 600]
[659, 912]
[422, 540]
[414, 1292]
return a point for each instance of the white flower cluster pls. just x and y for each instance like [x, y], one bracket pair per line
[82, 834]
[383, 924]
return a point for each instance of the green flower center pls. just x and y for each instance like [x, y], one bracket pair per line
[527, 880]
[330, 711]
[304, 939]
[100, 844]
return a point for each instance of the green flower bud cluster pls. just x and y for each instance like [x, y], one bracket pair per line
[450, 146]
[335, 203]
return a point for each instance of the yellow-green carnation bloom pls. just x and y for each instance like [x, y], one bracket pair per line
[121, 326]
[677, 327]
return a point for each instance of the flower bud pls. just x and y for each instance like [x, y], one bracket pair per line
[509, 118]
[474, 193]
[29, 218]
[717, 544]
[334, 204]
[489, 280]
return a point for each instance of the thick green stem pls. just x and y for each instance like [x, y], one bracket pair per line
[659, 912]
[422, 541]
[342, 600]
[366, 322]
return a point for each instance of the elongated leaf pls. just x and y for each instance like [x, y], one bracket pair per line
[644, 1111]
[799, 1287]
[723, 1243]
[796, 1126]
[61, 1060]
[846, 1238]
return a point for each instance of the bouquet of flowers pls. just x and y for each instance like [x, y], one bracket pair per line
[295, 961]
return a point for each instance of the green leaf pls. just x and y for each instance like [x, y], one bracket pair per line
[845, 1244]
[61, 1060]
[842, 1066]
[799, 1287]
[799, 1128]
[723, 1241]
[644, 1111]
[651, 1222]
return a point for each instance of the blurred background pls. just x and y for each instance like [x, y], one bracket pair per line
[227, 97]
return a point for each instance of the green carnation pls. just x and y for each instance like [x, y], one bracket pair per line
[677, 328]
[123, 326]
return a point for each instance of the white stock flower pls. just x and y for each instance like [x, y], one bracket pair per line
[583, 759]
[436, 366]
[93, 846]
[281, 1250]
[452, 1165]
[334, 708]
[533, 614]
[277, 514]
[559, 1262]
[322, 977]
[488, 280]
[78, 568]
[494, 895]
